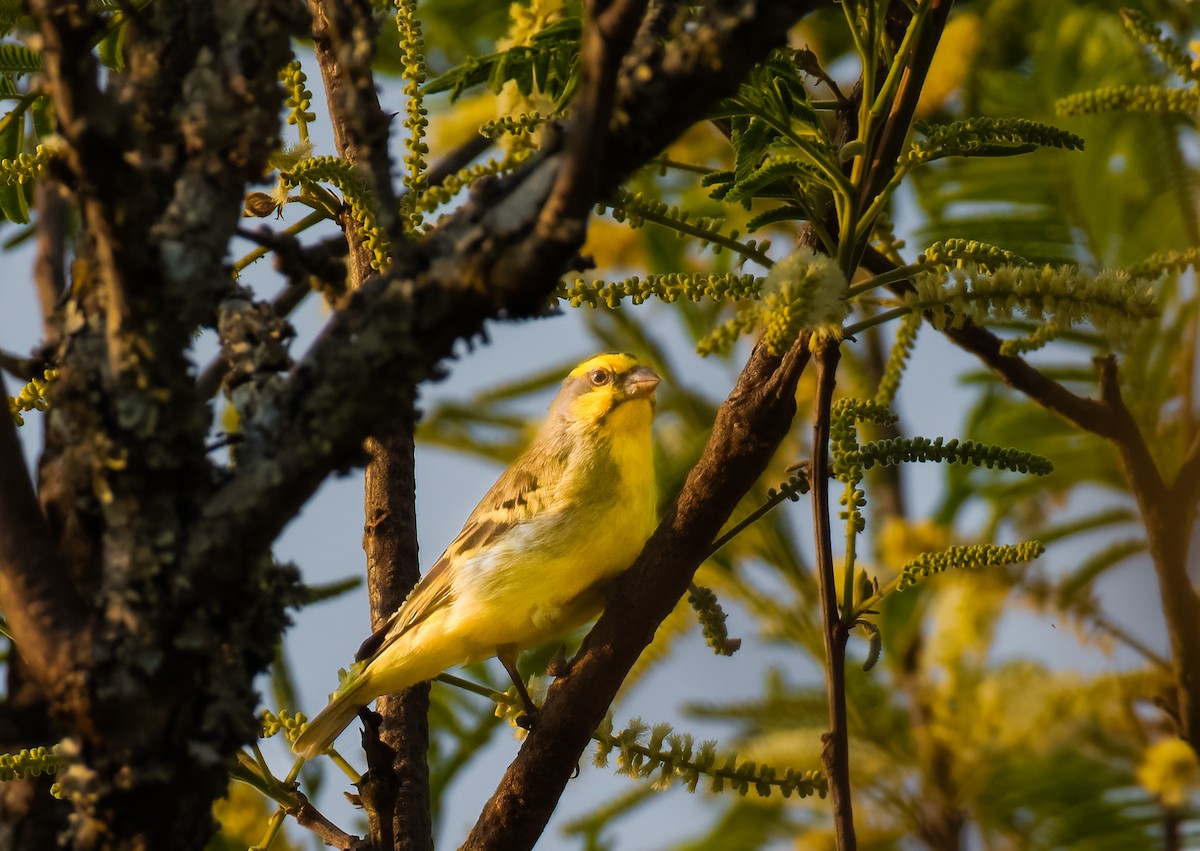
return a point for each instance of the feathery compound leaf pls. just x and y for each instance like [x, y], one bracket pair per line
[551, 61]
[966, 558]
[17, 59]
[806, 290]
[780, 172]
[786, 213]
[1112, 302]
[986, 137]
[1130, 99]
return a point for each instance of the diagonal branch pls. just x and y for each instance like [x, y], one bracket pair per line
[36, 595]
[1168, 532]
[1186, 486]
[611, 27]
[749, 426]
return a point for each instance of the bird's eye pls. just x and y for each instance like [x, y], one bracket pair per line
[600, 377]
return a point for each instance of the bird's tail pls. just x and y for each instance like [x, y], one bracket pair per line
[328, 724]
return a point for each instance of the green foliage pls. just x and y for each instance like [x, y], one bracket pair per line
[32, 397]
[16, 59]
[986, 137]
[1164, 263]
[433, 197]
[1173, 55]
[712, 620]
[893, 370]
[669, 287]
[29, 762]
[972, 557]
[635, 209]
[359, 200]
[1143, 98]
[805, 291]
[1130, 99]
[1112, 302]
[549, 64]
[299, 99]
[956, 252]
[641, 753]
[412, 46]
[515, 125]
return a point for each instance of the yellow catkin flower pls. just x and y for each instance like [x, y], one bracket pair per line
[1169, 770]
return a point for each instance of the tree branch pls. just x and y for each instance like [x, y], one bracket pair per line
[836, 752]
[37, 596]
[395, 790]
[609, 30]
[49, 269]
[343, 34]
[1168, 533]
[1186, 486]
[749, 427]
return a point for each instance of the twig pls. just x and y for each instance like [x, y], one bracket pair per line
[836, 753]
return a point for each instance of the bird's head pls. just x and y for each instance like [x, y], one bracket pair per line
[604, 384]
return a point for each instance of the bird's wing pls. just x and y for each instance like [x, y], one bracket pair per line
[518, 495]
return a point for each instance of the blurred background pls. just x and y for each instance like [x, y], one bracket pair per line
[1016, 708]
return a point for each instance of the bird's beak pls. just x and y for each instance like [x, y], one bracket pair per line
[641, 381]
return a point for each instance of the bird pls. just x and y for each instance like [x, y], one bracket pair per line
[535, 557]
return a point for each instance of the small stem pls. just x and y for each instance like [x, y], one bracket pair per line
[900, 273]
[260, 252]
[273, 826]
[785, 492]
[474, 688]
[883, 99]
[262, 763]
[346, 767]
[666, 162]
[755, 254]
[836, 755]
[880, 201]
[848, 561]
[877, 319]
